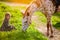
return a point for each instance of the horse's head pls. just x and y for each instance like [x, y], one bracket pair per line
[26, 20]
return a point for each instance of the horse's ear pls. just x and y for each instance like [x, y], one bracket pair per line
[22, 11]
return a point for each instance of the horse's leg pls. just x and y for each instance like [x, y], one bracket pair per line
[51, 29]
[49, 25]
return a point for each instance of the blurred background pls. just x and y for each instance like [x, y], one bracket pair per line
[16, 7]
[18, 1]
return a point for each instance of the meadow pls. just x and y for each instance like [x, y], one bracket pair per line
[16, 20]
[55, 19]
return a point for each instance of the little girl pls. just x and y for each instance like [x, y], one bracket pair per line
[5, 26]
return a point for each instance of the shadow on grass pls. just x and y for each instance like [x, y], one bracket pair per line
[57, 14]
[57, 25]
[30, 36]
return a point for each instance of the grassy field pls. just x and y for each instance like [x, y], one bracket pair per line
[16, 20]
[55, 19]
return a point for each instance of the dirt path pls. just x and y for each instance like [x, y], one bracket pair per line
[41, 27]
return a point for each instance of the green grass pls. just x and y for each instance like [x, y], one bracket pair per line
[55, 19]
[16, 20]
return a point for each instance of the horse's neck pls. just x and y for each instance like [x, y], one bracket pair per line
[38, 5]
[34, 6]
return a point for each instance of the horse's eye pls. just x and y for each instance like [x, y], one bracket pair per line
[25, 22]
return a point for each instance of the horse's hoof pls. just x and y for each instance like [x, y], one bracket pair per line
[51, 36]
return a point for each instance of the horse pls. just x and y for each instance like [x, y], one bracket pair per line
[46, 7]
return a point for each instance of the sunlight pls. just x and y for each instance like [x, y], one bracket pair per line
[21, 1]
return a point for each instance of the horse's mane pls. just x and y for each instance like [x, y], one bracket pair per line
[54, 2]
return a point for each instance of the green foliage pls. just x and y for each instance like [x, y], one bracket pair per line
[16, 20]
[31, 34]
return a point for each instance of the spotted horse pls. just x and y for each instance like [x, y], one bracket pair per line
[46, 7]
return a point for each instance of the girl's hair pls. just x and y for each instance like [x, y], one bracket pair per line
[7, 14]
